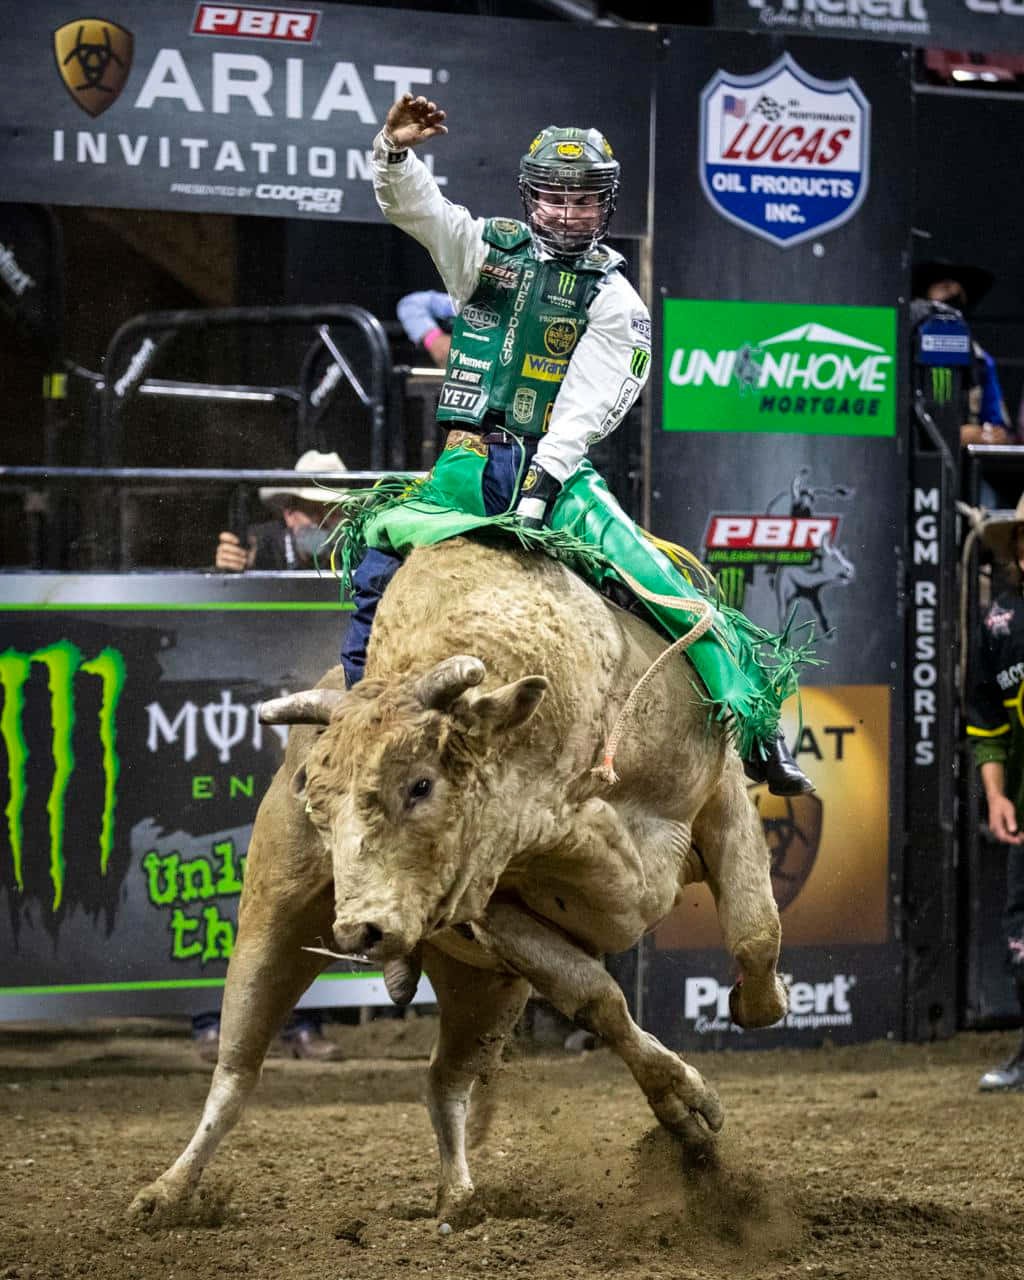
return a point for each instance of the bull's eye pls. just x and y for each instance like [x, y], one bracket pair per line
[420, 789]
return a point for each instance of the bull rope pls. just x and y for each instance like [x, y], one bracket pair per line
[606, 769]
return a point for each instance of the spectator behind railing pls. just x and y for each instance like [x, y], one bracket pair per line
[984, 417]
[298, 531]
[427, 320]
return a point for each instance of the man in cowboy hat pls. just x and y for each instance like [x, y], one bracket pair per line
[961, 285]
[996, 731]
[300, 527]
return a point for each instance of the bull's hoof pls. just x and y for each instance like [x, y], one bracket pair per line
[157, 1204]
[687, 1097]
[753, 1004]
[459, 1207]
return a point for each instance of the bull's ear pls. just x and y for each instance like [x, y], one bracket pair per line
[297, 786]
[511, 705]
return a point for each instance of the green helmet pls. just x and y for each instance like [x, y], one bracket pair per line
[569, 181]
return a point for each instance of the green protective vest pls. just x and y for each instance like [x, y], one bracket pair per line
[512, 341]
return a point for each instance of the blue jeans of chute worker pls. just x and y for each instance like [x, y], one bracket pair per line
[376, 569]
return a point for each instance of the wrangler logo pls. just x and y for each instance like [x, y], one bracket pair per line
[543, 369]
[94, 58]
[61, 660]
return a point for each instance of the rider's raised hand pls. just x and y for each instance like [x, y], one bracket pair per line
[413, 120]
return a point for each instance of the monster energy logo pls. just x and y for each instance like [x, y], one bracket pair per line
[639, 362]
[942, 384]
[732, 585]
[61, 660]
[566, 283]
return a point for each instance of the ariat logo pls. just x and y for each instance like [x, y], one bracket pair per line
[566, 283]
[544, 370]
[62, 661]
[94, 58]
[560, 337]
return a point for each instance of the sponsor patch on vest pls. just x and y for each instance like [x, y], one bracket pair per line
[523, 404]
[473, 362]
[560, 337]
[544, 369]
[463, 398]
[504, 277]
[641, 325]
[509, 343]
[472, 376]
[480, 317]
[505, 225]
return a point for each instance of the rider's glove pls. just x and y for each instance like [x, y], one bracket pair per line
[536, 496]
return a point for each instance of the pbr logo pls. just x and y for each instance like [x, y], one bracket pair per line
[783, 154]
[94, 58]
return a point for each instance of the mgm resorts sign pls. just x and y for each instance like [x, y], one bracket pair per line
[779, 367]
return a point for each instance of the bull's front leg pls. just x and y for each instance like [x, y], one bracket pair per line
[478, 1008]
[267, 973]
[581, 988]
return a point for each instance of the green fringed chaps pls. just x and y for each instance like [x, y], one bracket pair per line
[748, 672]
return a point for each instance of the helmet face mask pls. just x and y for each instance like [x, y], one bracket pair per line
[569, 181]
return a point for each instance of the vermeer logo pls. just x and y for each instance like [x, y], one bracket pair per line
[62, 661]
[94, 58]
[752, 366]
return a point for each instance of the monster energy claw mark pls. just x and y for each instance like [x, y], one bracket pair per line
[61, 660]
[732, 584]
[942, 383]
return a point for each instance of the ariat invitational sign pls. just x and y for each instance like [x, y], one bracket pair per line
[784, 154]
[756, 366]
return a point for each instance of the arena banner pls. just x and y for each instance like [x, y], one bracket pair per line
[776, 367]
[777, 458]
[178, 105]
[31, 267]
[132, 761]
[932, 24]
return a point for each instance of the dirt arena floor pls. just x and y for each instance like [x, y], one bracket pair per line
[879, 1161]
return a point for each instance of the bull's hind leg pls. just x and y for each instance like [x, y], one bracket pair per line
[584, 991]
[729, 836]
[478, 1009]
[267, 973]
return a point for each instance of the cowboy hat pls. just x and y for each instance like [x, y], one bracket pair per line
[975, 281]
[999, 531]
[311, 461]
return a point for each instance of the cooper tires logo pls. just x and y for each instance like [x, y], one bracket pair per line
[94, 58]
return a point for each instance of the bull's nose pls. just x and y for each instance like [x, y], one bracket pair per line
[359, 938]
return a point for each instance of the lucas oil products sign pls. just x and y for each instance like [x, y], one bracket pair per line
[784, 154]
[755, 366]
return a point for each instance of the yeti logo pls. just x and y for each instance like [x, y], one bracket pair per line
[94, 58]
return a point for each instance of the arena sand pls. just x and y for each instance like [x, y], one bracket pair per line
[875, 1161]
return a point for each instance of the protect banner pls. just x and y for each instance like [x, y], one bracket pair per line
[177, 105]
[930, 24]
[132, 761]
[782, 219]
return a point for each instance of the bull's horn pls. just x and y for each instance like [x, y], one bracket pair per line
[311, 706]
[448, 681]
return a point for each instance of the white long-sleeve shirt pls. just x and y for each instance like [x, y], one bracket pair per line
[603, 378]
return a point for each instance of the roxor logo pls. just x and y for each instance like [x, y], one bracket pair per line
[62, 662]
[296, 25]
[94, 58]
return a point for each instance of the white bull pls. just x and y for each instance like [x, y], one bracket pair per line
[445, 813]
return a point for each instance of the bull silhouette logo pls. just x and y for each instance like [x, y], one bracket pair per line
[792, 829]
[94, 58]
